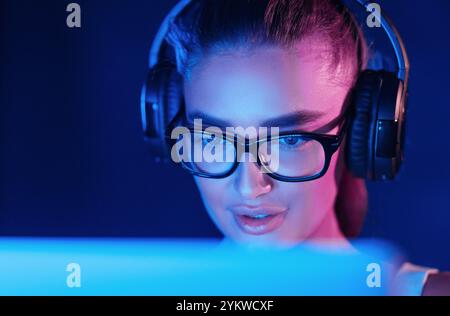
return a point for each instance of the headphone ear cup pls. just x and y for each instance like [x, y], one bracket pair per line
[161, 101]
[359, 141]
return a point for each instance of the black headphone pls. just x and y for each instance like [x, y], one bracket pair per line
[375, 139]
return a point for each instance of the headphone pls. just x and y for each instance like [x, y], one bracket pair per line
[374, 149]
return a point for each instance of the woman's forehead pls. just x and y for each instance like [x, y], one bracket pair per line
[268, 85]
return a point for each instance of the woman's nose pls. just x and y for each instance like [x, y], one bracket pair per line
[250, 181]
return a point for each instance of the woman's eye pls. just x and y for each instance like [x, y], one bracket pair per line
[292, 141]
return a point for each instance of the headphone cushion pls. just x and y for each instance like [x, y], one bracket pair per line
[173, 98]
[358, 146]
[167, 87]
[162, 88]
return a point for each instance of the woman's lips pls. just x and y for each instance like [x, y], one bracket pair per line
[258, 220]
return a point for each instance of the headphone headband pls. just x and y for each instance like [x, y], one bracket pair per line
[163, 29]
[395, 40]
[386, 23]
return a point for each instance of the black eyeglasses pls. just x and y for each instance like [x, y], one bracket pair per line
[290, 156]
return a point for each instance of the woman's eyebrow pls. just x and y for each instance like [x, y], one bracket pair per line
[208, 120]
[287, 120]
[293, 119]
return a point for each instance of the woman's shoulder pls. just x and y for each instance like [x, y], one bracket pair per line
[438, 284]
[421, 280]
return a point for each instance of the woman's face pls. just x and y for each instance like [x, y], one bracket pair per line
[292, 91]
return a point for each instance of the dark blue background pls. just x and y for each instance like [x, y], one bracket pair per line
[73, 162]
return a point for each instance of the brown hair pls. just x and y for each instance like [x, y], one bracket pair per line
[207, 27]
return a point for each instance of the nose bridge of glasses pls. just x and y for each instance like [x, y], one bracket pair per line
[260, 148]
[246, 147]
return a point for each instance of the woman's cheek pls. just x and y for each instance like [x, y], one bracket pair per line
[304, 209]
[213, 194]
[325, 189]
[309, 203]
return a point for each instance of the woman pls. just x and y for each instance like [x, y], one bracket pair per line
[245, 63]
[275, 63]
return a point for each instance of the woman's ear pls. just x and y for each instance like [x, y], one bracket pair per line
[351, 201]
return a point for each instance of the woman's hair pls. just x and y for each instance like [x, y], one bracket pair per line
[209, 27]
